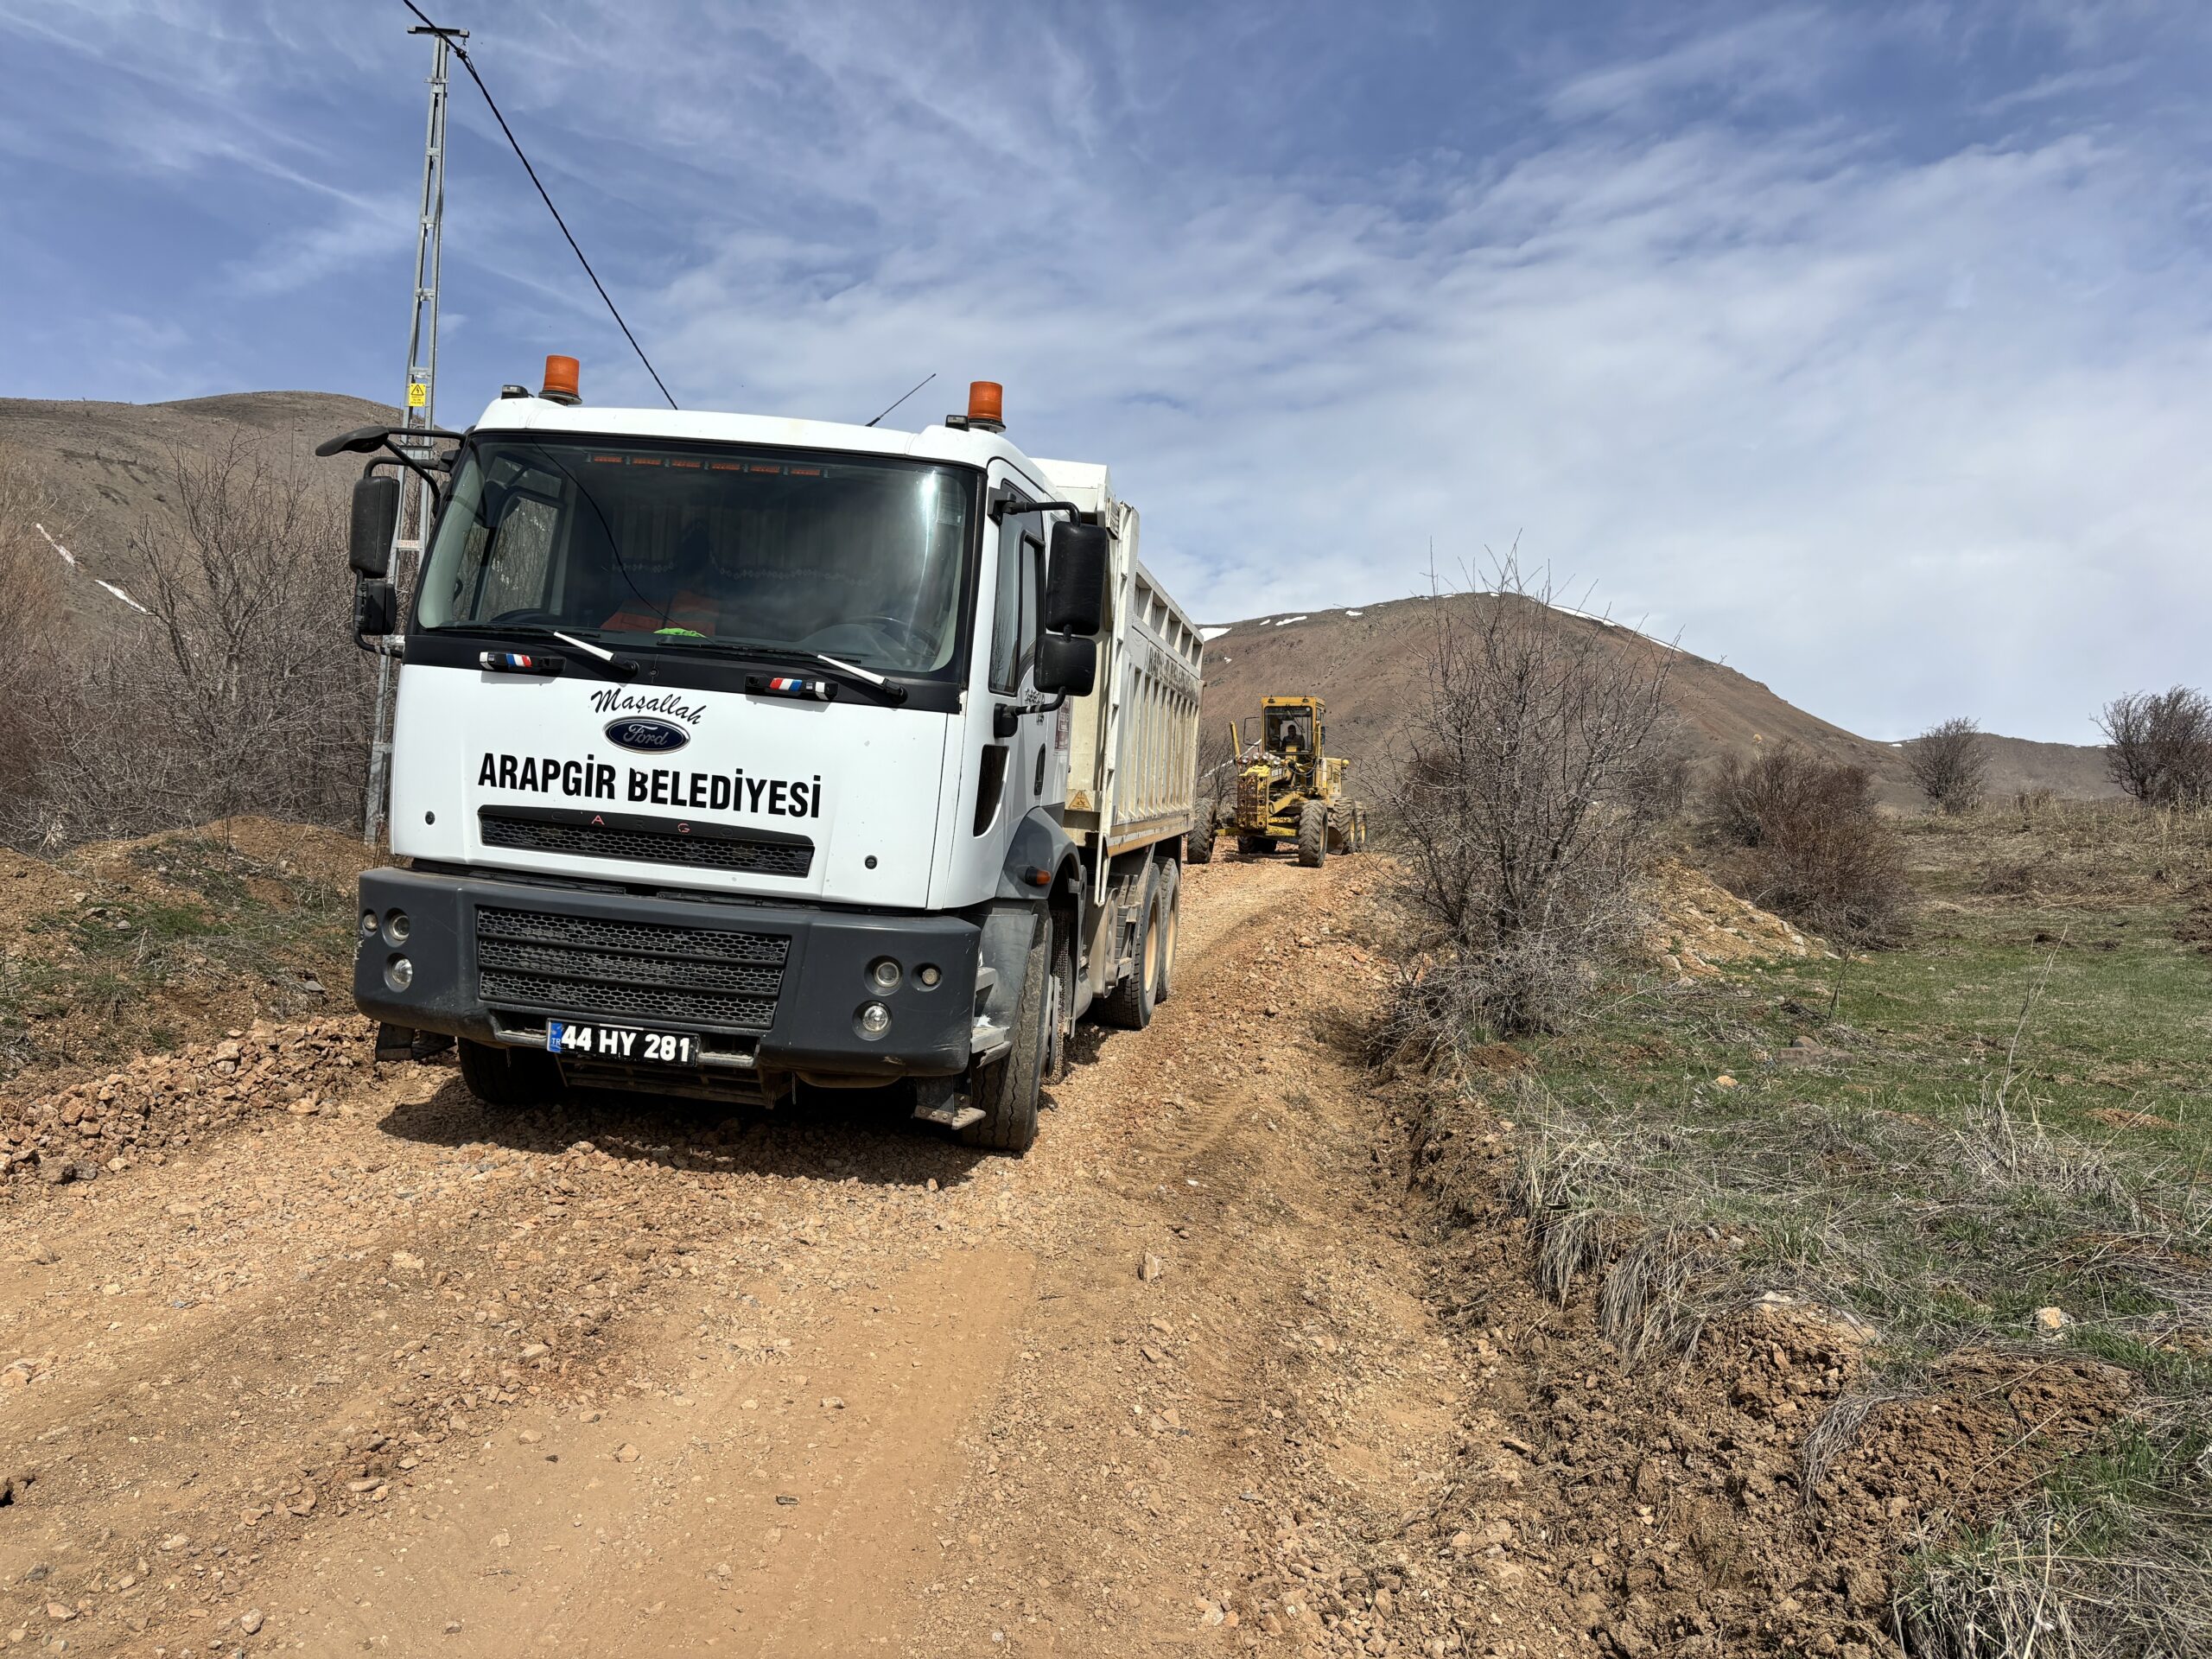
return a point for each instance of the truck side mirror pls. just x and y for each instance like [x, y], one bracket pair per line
[376, 521]
[1066, 665]
[1074, 582]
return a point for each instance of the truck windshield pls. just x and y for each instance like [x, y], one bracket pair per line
[856, 559]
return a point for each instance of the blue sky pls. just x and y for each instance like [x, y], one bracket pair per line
[1867, 347]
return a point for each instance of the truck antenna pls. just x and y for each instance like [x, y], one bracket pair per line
[917, 386]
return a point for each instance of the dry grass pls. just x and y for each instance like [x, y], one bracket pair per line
[2010, 1115]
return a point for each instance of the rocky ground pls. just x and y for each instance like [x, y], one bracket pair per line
[314, 1354]
[305, 1353]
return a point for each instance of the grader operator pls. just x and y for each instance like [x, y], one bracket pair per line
[1287, 789]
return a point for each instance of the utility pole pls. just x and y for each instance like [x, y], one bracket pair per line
[417, 413]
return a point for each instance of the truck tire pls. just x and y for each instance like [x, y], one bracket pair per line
[1167, 923]
[1313, 835]
[1007, 1090]
[1197, 846]
[1129, 1005]
[500, 1075]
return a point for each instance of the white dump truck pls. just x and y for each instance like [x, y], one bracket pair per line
[739, 757]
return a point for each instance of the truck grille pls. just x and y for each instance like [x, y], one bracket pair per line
[647, 842]
[646, 971]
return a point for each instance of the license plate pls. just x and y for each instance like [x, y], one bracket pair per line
[578, 1040]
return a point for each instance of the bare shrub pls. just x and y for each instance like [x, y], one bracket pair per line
[238, 690]
[1213, 785]
[1521, 865]
[1656, 788]
[1950, 763]
[1802, 838]
[2158, 746]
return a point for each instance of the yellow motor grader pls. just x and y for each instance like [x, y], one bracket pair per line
[1288, 789]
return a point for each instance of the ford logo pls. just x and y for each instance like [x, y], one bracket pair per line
[652, 736]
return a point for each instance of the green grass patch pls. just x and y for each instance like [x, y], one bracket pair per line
[2011, 1114]
[210, 935]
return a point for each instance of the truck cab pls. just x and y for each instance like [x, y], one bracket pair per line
[731, 757]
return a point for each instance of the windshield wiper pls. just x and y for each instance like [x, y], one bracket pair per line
[846, 673]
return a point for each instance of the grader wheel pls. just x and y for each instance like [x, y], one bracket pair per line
[1343, 828]
[1355, 836]
[1313, 835]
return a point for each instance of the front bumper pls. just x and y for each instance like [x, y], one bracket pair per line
[767, 989]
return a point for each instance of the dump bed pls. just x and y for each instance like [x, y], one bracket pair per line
[1133, 742]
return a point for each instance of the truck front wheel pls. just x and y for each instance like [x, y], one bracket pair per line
[1197, 846]
[1007, 1090]
[500, 1075]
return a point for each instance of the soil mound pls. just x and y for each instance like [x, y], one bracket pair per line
[170, 939]
[159, 1102]
[1697, 923]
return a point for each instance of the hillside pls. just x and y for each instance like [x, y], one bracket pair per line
[96, 471]
[1367, 664]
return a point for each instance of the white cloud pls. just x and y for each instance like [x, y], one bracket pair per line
[1900, 438]
[1905, 423]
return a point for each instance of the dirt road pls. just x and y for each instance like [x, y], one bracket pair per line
[392, 1373]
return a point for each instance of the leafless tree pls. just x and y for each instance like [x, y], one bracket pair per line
[1506, 804]
[2158, 746]
[1950, 762]
[1212, 791]
[239, 690]
[32, 614]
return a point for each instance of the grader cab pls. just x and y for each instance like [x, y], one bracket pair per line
[1288, 789]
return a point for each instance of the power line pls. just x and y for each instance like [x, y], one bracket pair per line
[469, 64]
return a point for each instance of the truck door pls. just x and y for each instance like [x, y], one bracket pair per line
[1005, 774]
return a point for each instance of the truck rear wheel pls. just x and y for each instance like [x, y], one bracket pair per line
[500, 1075]
[1130, 1005]
[1197, 846]
[1059, 1008]
[1313, 835]
[1167, 923]
[1007, 1090]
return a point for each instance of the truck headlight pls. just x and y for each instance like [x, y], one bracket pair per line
[874, 1018]
[398, 972]
[883, 974]
[397, 927]
[927, 975]
[368, 923]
